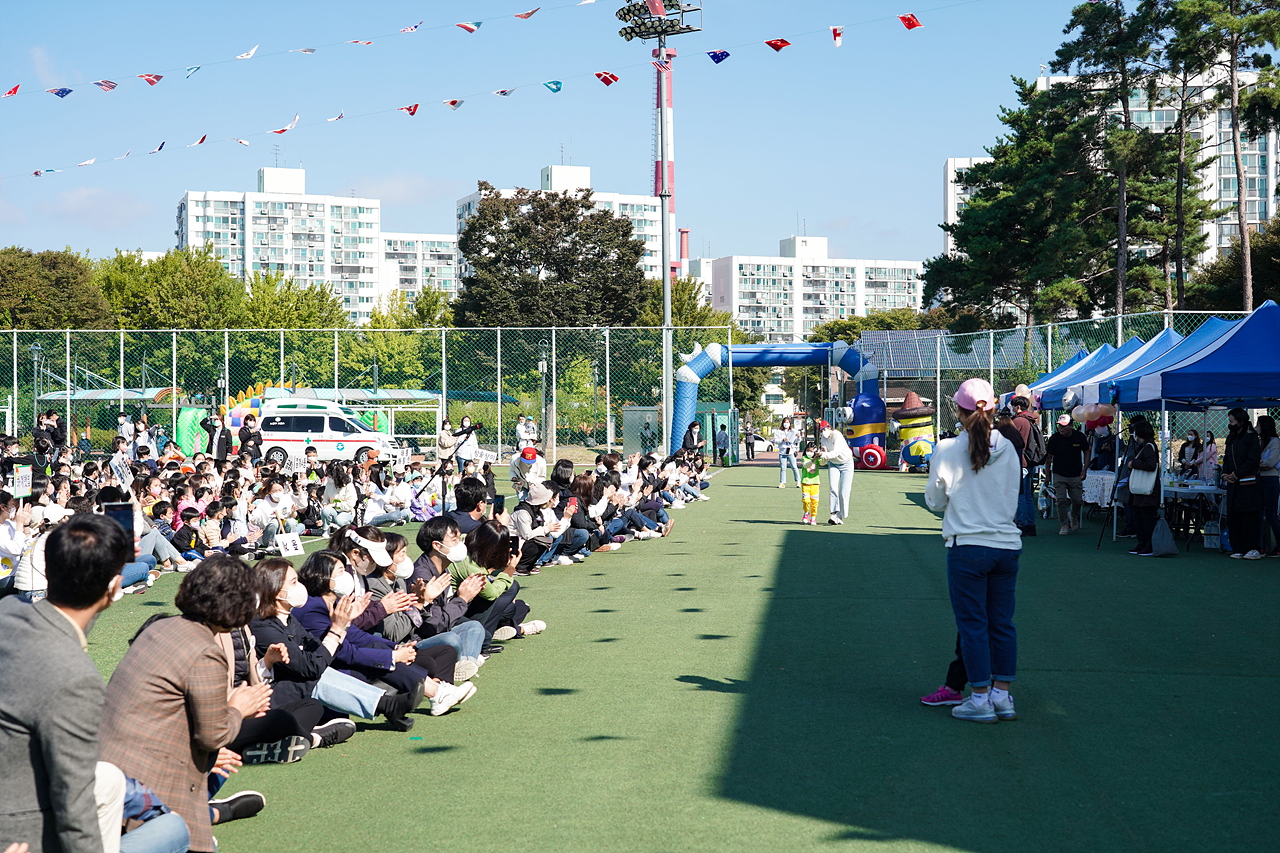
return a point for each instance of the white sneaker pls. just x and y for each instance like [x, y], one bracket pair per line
[506, 632]
[613, 546]
[448, 695]
[1004, 710]
[678, 505]
[648, 534]
[703, 498]
[536, 626]
[562, 560]
[577, 558]
[782, 485]
[1253, 555]
[463, 670]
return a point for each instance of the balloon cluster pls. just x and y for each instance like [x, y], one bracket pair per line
[1094, 415]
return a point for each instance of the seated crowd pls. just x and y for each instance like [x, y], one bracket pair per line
[264, 663]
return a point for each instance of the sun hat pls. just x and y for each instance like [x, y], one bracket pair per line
[529, 454]
[539, 494]
[54, 513]
[976, 395]
[377, 550]
[823, 425]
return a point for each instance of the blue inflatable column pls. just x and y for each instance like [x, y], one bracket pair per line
[684, 402]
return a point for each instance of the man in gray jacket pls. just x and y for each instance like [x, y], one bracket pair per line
[52, 697]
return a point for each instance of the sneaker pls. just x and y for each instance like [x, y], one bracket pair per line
[1237, 556]
[528, 629]
[506, 632]
[334, 732]
[832, 520]
[1030, 530]
[703, 498]
[804, 519]
[1275, 553]
[782, 485]
[183, 568]
[647, 534]
[1126, 536]
[448, 695]
[1075, 524]
[463, 670]
[152, 576]
[1253, 555]
[562, 560]
[839, 520]
[524, 573]
[577, 558]
[813, 522]
[1135, 552]
[944, 695]
[974, 711]
[677, 505]
[1064, 530]
[1004, 710]
[618, 540]
[138, 588]
[285, 751]
[671, 525]
[238, 806]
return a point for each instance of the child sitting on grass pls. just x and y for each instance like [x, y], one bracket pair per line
[809, 483]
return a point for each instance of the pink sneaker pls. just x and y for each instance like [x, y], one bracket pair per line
[812, 520]
[805, 519]
[942, 696]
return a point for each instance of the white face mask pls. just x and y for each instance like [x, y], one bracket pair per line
[297, 595]
[456, 554]
[276, 496]
[826, 433]
[404, 569]
[344, 585]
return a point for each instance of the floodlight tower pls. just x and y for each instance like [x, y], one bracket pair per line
[660, 19]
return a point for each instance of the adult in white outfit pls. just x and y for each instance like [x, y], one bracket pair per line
[835, 449]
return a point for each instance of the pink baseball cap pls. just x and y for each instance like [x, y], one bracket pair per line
[976, 395]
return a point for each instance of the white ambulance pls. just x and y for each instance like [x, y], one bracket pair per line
[292, 424]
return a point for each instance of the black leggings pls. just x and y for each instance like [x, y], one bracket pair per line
[957, 675]
[295, 719]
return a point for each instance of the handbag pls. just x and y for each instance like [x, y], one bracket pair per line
[1162, 544]
[1142, 482]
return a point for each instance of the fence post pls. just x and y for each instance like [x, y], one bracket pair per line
[499, 351]
[282, 364]
[173, 384]
[1048, 348]
[11, 426]
[70, 426]
[121, 370]
[554, 412]
[991, 358]
[937, 375]
[226, 367]
[1168, 318]
[335, 365]
[608, 397]
[444, 378]
[1119, 331]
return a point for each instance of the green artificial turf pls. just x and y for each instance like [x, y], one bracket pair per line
[749, 684]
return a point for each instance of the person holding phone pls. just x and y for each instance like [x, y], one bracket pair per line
[494, 553]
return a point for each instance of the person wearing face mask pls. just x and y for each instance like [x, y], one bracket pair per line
[1207, 461]
[693, 443]
[364, 550]
[786, 440]
[219, 430]
[527, 468]
[444, 615]
[835, 450]
[467, 443]
[251, 438]
[445, 442]
[1103, 452]
[168, 713]
[273, 511]
[375, 657]
[1189, 452]
[53, 694]
[1241, 464]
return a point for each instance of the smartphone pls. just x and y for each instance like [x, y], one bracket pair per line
[515, 544]
[121, 514]
[571, 507]
[499, 504]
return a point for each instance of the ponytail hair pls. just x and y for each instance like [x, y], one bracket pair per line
[978, 425]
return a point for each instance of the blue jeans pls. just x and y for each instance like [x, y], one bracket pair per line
[577, 543]
[164, 834]
[388, 517]
[982, 581]
[332, 516]
[1026, 514]
[785, 458]
[137, 572]
[839, 484]
[466, 638]
[552, 549]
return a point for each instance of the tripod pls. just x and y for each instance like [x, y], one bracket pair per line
[465, 431]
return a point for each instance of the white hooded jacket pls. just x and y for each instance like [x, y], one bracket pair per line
[978, 507]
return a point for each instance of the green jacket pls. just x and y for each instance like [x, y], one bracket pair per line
[490, 591]
[809, 469]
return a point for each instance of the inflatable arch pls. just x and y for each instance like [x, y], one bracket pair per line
[699, 364]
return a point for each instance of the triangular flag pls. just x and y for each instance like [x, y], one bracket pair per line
[778, 44]
[556, 85]
[470, 26]
[527, 15]
[61, 93]
[36, 173]
[199, 141]
[452, 103]
[241, 141]
[151, 79]
[290, 126]
[88, 162]
[910, 21]
[340, 114]
[412, 109]
[607, 77]
[837, 33]
[249, 54]
[355, 41]
[159, 148]
[11, 92]
[192, 69]
[303, 50]
[718, 56]
[126, 154]
[413, 28]
[104, 85]
[505, 93]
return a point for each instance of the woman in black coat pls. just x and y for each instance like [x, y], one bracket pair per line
[251, 439]
[1145, 507]
[1240, 465]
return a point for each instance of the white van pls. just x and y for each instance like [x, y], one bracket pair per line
[290, 425]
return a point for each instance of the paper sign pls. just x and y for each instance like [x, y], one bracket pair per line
[121, 469]
[22, 481]
[483, 456]
[290, 544]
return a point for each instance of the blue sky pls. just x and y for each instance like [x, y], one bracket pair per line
[850, 140]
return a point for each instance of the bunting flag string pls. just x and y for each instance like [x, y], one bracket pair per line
[88, 162]
[608, 78]
[412, 29]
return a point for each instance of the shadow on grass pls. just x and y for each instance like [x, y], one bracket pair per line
[428, 750]
[556, 691]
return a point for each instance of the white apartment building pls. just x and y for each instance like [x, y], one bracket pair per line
[642, 210]
[955, 194]
[784, 297]
[333, 241]
[415, 262]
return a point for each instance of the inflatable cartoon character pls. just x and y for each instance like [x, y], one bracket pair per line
[866, 430]
[915, 429]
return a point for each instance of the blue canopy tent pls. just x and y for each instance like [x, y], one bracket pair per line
[1126, 390]
[1088, 390]
[1051, 392]
[1007, 397]
[1238, 368]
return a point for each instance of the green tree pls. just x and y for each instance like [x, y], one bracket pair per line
[275, 302]
[431, 310]
[390, 359]
[50, 290]
[543, 259]
[1216, 287]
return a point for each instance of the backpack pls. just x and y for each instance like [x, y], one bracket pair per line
[1036, 450]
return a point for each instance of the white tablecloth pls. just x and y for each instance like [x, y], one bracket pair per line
[1098, 487]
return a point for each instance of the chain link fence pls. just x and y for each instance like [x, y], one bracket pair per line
[573, 382]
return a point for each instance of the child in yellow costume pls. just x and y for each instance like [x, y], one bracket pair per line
[809, 483]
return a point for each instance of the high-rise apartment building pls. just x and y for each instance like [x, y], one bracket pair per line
[955, 194]
[642, 210]
[334, 241]
[785, 296]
